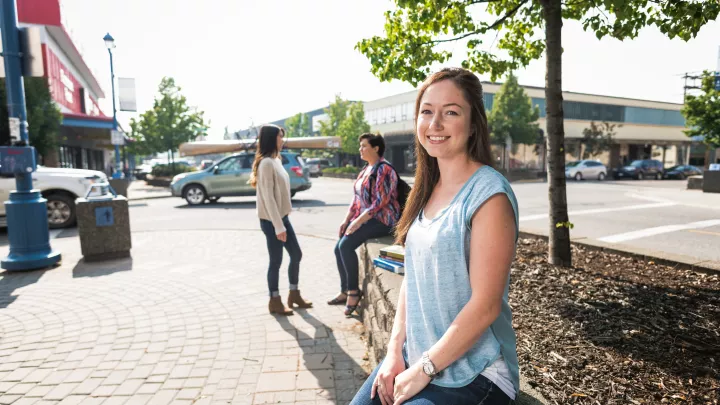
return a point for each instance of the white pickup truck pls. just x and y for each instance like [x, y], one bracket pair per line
[60, 187]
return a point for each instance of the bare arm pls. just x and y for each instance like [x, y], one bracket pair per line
[492, 247]
[397, 336]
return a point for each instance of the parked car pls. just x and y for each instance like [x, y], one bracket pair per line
[60, 187]
[230, 178]
[681, 172]
[205, 164]
[585, 169]
[316, 165]
[640, 169]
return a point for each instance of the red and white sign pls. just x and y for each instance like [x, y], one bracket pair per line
[65, 88]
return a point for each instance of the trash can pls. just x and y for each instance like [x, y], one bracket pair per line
[103, 224]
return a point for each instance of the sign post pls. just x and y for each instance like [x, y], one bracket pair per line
[26, 210]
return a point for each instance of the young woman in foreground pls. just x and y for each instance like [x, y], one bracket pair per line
[452, 340]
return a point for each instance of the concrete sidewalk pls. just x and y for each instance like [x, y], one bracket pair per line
[184, 321]
[139, 190]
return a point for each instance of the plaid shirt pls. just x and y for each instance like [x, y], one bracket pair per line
[378, 198]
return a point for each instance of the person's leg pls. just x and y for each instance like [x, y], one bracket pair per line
[274, 247]
[371, 229]
[293, 248]
[341, 266]
[349, 243]
[362, 397]
[481, 391]
[275, 251]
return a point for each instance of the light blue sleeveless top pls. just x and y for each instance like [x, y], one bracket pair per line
[437, 255]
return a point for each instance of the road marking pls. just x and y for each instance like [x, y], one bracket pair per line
[602, 210]
[648, 198]
[704, 232]
[643, 233]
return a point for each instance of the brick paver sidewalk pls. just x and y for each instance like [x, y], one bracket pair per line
[184, 322]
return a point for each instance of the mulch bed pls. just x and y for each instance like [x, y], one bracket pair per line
[615, 330]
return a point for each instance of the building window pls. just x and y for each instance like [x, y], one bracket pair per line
[398, 116]
[639, 115]
[590, 111]
[488, 101]
[83, 107]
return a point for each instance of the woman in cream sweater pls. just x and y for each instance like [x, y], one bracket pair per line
[273, 207]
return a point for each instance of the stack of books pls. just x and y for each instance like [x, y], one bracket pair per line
[392, 258]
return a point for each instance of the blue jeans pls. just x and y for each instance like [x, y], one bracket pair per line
[275, 251]
[480, 391]
[347, 260]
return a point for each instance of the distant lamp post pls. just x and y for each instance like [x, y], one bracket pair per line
[110, 44]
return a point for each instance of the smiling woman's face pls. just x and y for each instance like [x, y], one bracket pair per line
[443, 123]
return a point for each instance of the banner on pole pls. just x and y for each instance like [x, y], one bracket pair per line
[126, 93]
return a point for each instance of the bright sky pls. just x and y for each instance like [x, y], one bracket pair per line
[244, 61]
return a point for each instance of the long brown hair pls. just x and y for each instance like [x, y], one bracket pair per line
[427, 172]
[266, 147]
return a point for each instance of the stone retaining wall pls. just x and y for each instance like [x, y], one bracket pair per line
[382, 289]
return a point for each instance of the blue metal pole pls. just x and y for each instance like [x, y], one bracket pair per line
[118, 174]
[26, 210]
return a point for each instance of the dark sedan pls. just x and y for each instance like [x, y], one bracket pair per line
[640, 170]
[681, 172]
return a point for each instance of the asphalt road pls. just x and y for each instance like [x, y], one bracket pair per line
[656, 215]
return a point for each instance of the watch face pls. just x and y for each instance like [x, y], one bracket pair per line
[427, 368]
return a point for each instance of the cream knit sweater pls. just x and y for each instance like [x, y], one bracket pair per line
[273, 192]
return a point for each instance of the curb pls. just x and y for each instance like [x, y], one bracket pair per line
[668, 259]
[154, 197]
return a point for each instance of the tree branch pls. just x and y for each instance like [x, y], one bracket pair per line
[478, 31]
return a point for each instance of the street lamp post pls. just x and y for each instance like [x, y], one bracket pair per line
[110, 44]
[26, 210]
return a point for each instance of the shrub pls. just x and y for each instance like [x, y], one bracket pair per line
[341, 170]
[166, 170]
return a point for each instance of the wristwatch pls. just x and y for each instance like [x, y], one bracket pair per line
[428, 366]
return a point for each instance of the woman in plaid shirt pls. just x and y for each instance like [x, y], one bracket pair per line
[373, 213]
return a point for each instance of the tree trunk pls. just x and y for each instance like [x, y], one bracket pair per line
[559, 236]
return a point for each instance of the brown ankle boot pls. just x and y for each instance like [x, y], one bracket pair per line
[276, 307]
[294, 298]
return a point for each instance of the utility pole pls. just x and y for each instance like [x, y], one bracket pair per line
[26, 210]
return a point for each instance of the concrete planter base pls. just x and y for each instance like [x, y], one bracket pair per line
[711, 182]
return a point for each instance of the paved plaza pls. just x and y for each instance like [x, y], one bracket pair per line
[184, 321]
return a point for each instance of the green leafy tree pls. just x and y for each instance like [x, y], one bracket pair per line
[43, 115]
[169, 123]
[597, 138]
[298, 125]
[702, 112]
[139, 144]
[513, 115]
[352, 127]
[336, 112]
[417, 30]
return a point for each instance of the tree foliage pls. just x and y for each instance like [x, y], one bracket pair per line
[299, 125]
[597, 138]
[169, 123]
[512, 115]
[43, 115]
[412, 31]
[336, 113]
[504, 35]
[352, 127]
[702, 112]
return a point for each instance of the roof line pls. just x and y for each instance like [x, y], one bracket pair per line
[589, 94]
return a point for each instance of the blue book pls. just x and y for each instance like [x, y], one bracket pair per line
[387, 265]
